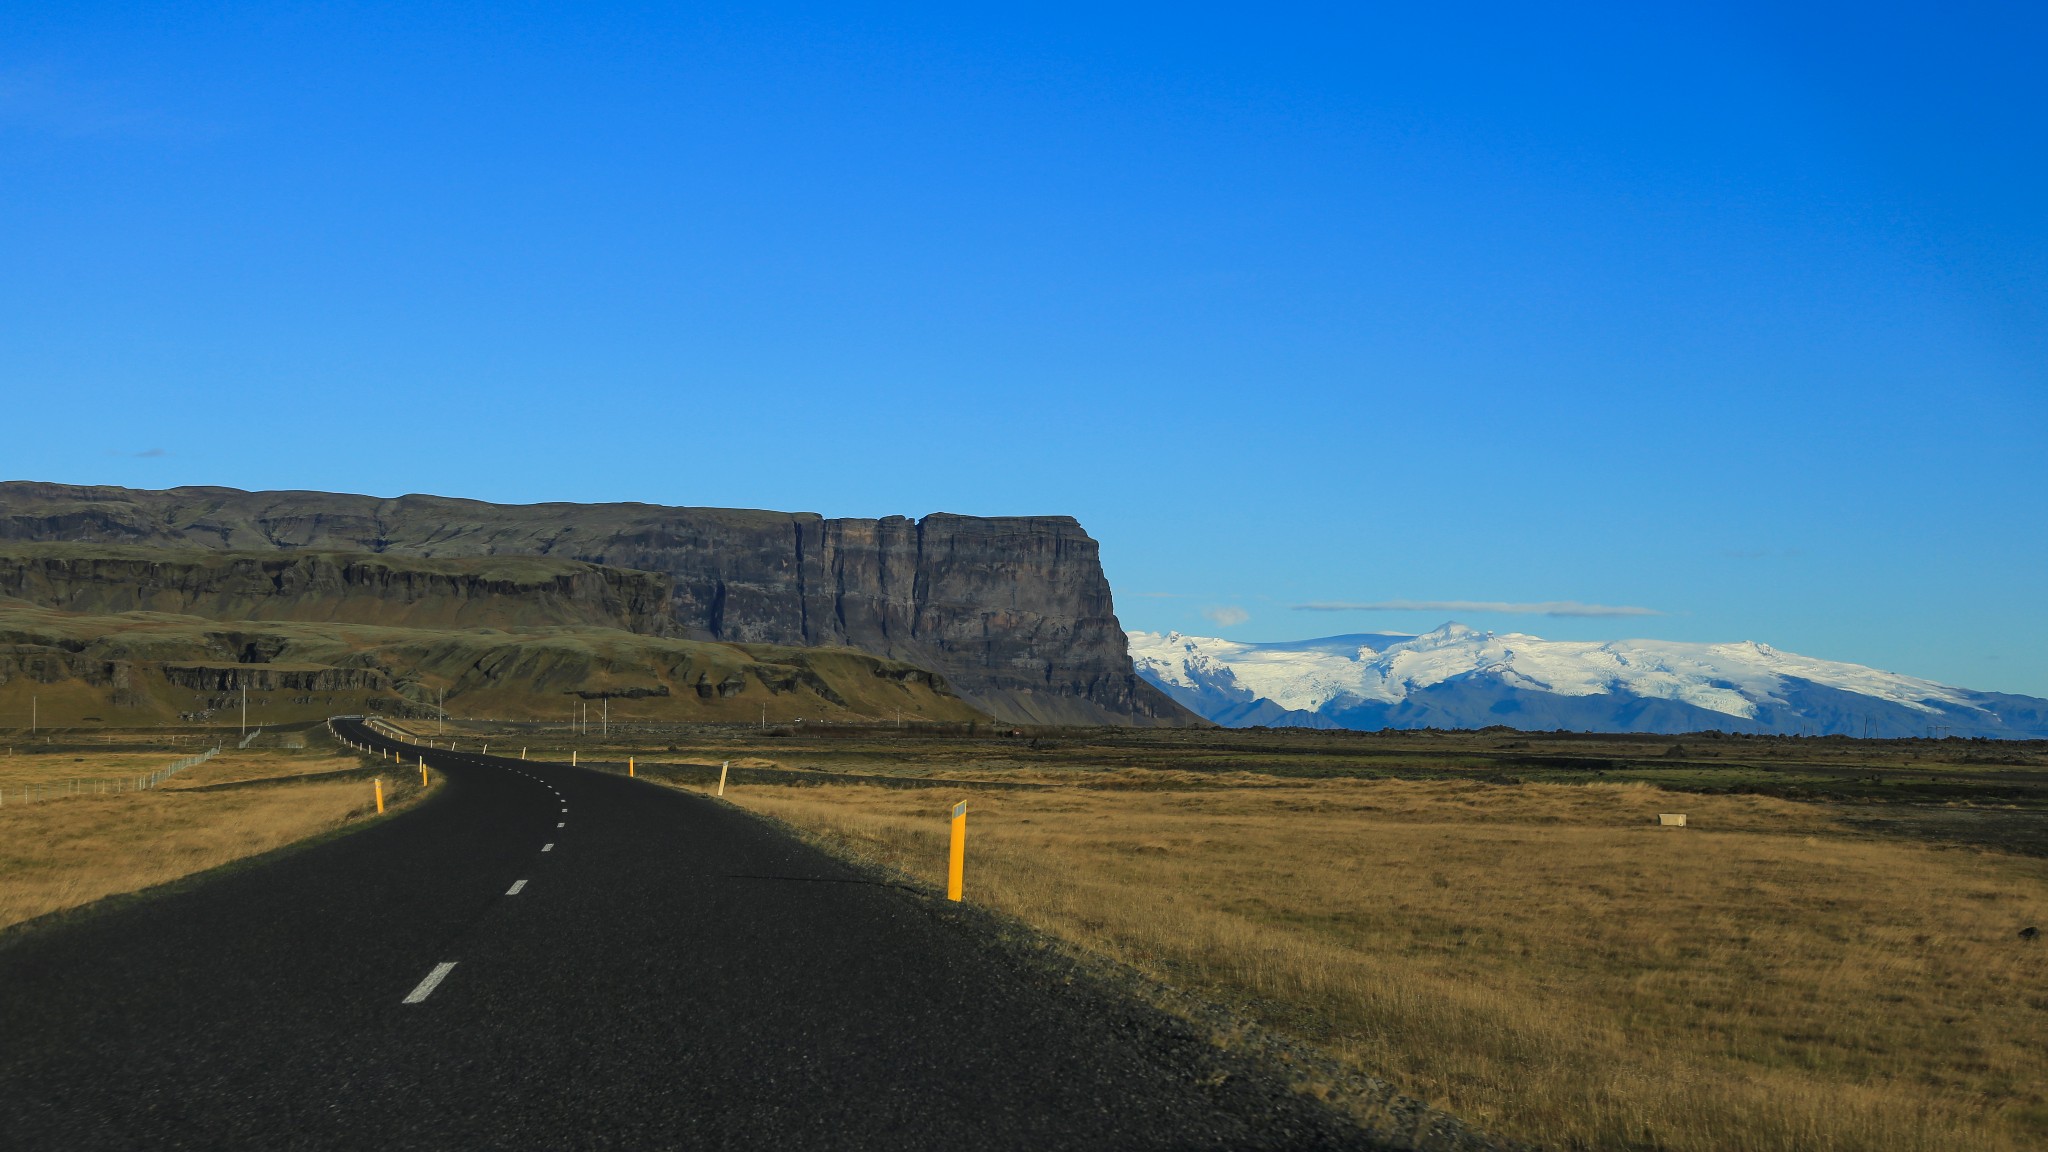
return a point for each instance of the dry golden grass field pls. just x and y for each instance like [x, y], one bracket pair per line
[1541, 959]
[89, 763]
[64, 852]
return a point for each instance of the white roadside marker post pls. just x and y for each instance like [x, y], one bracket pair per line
[721, 776]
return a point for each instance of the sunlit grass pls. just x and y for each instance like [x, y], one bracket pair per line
[60, 853]
[1542, 959]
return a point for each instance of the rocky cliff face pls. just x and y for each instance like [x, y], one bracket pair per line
[351, 587]
[1015, 611]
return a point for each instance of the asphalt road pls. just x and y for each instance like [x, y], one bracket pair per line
[633, 967]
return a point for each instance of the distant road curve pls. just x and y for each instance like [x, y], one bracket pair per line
[543, 957]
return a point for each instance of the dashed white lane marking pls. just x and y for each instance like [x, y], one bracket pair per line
[548, 847]
[433, 981]
[565, 811]
[514, 889]
[562, 825]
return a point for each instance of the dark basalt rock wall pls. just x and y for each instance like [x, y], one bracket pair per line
[351, 587]
[1015, 611]
[273, 678]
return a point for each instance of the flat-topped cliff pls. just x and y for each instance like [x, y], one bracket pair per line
[1015, 611]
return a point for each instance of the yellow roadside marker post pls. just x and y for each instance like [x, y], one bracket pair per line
[423, 771]
[380, 795]
[572, 758]
[629, 766]
[956, 867]
[522, 751]
[721, 776]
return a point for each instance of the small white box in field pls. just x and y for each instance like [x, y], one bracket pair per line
[1671, 819]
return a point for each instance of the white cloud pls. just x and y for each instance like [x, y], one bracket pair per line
[1226, 615]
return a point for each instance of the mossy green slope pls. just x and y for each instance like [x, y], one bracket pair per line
[128, 668]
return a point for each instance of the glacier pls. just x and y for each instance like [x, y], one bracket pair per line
[1461, 677]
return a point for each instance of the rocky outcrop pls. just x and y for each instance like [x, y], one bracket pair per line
[274, 678]
[352, 587]
[1014, 611]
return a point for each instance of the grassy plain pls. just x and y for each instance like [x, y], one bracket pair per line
[1827, 957]
[70, 850]
[1543, 959]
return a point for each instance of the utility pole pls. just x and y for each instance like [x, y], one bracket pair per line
[604, 719]
[244, 679]
[764, 714]
[441, 711]
[33, 704]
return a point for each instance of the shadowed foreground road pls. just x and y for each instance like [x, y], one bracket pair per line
[633, 967]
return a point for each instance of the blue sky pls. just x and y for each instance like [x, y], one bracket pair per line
[1736, 314]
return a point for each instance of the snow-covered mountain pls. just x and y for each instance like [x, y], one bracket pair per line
[1458, 677]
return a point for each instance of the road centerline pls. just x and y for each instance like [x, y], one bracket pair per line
[433, 980]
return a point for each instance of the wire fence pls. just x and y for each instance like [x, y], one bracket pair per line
[253, 734]
[31, 793]
[176, 766]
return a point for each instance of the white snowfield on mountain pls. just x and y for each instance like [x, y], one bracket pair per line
[1727, 678]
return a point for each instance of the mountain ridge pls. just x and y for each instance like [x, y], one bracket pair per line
[1460, 677]
[1015, 612]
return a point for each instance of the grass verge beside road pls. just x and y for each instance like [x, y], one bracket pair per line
[1541, 959]
[63, 853]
